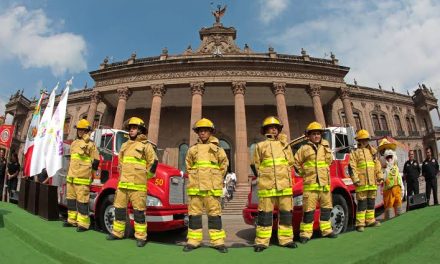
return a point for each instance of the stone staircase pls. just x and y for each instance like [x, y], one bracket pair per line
[237, 204]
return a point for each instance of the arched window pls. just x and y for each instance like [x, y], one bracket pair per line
[426, 124]
[183, 149]
[357, 120]
[413, 124]
[419, 152]
[383, 122]
[408, 124]
[376, 123]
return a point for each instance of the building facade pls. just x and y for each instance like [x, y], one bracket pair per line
[236, 88]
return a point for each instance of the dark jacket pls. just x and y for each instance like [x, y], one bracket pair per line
[411, 170]
[430, 168]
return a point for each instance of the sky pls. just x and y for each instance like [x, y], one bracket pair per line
[42, 42]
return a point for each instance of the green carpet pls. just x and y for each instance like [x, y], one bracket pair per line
[406, 239]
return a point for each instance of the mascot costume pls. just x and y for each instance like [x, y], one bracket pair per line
[393, 185]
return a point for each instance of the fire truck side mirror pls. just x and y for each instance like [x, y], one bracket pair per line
[104, 176]
[350, 137]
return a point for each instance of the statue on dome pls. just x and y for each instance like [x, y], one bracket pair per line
[219, 13]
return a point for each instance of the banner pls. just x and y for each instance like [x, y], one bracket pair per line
[6, 132]
[38, 161]
[30, 136]
[54, 139]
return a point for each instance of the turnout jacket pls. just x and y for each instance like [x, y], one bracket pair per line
[366, 168]
[83, 153]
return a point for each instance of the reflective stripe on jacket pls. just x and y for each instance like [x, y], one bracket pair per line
[206, 164]
[313, 161]
[82, 153]
[135, 159]
[366, 168]
[273, 160]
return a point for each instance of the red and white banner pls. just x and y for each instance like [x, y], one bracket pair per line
[6, 132]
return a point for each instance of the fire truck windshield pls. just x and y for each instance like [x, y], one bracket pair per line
[121, 138]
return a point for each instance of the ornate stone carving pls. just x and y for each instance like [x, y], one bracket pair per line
[344, 93]
[279, 88]
[377, 107]
[238, 88]
[124, 93]
[314, 90]
[197, 88]
[95, 97]
[217, 73]
[158, 90]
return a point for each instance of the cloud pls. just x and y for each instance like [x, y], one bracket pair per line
[394, 43]
[270, 9]
[31, 37]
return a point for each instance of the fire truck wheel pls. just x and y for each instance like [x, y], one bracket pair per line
[107, 215]
[339, 215]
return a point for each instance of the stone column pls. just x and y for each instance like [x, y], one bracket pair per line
[279, 90]
[241, 148]
[158, 91]
[314, 90]
[344, 94]
[95, 98]
[197, 91]
[124, 94]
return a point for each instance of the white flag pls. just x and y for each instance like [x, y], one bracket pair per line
[38, 162]
[53, 146]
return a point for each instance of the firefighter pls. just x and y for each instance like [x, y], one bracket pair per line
[312, 162]
[206, 164]
[273, 161]
[137, 163]
[366, 172]
[84, 160]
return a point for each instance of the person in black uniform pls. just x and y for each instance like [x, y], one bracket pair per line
[411, 171]
[429, 171]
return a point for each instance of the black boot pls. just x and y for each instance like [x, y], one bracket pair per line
[290, 245]
[259, 248]
[112, 237]
[81, 229]
[221, 249]
[67, 224]
[332, 235]
[141, 243]
[189, 247]
[304, 240]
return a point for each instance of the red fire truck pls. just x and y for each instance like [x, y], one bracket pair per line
[166, 200]
[341, 140]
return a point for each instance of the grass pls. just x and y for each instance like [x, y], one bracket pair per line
[406, 239]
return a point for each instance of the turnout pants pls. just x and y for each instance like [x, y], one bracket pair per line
[431, 184]
[310, 200]
[138, 201]
[78, 204]
[196, 206]
[365, 208]
[265, 217]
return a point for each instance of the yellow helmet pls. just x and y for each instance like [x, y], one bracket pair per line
[362, 134]
[314, 126]
[83, 124]
[271, 121]
[204, 122]
[138, 122]
[385, 144]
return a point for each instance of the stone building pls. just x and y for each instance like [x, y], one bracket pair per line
[236, 88]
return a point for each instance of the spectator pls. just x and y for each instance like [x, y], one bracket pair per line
[411, 172]
[2, 171]
[12, 173]
[429, 171]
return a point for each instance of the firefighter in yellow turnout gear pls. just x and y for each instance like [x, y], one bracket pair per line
[206, 164]
[312, 161]
[273, 161]
[84, 158]
[137, 161]
[366, 173]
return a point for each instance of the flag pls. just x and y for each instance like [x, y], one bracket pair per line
[38, 162]
[6, 132]
[32, 132]
[53, 146]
